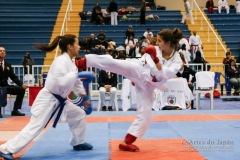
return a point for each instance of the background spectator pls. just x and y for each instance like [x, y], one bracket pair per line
[95, 10]
[102, 42]
[27, 63]
[200, 60]
[148, 33]
[188, 12]
[238, 6]
[6, 72]
[91, 45]
[130, 46]
[184, 41]
[145, 42]
[186, 72]
[113, 9]
[142, 12]
[234, 74]
[107, 82]
[210, 6]
[137, 50]
[196, 44]
[223, 4]
[105, 15]
[130, 32]
[226, 60]
[185, 53]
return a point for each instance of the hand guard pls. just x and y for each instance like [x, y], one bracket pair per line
[81, 63]
[150, 49]
[88, 76]
[88, 110]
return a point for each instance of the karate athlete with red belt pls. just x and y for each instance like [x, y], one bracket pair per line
[147, 74]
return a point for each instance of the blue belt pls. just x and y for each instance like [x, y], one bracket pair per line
[62, 102]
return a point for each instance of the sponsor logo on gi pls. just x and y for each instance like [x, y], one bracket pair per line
[171, 100]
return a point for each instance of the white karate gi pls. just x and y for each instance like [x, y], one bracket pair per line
[139, 72]
[177, 94]
[61, 80]
[184, 41]
[129, 44]
[238, 7]
[223, 4]
[146, 34]
[128, 95]
[187, 55]
[196, 43]
[188, 13]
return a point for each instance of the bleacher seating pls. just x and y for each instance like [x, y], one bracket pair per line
[168, 19]
[24, 23]
[227, 25]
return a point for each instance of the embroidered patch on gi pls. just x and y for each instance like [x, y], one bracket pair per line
[171, 100]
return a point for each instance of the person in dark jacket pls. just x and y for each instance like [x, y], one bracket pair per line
[199, 59]
[130, 32]
[95, 12]
[210, 6]
[142, 12]
[113, 9]
[6, 72]
[107, 82]
[234, 74]
[27, 62]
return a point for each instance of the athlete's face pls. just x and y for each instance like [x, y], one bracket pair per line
[75, 48]
[161, 43]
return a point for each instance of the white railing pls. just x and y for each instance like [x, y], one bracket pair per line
[37, 72]
[65, 22]
[209, 28]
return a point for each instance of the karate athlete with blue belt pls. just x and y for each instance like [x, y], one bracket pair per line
[63, 77]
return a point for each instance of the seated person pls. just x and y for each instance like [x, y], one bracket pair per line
[96, 9]
[226, 60]
[238, 61]
[130, 32]
[106, 17]
[200, 60]
[234, 74]
[6, 71]
[138, 50]
[107, 82]
[121, 55]
[102, 42]
[130, 46]
[91, 45]
[148, 33]
[84, 43]
[99, 17]
[145, 42]
[223, 4]
[210, 6]
[185, 72]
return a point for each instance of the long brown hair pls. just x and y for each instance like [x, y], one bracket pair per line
[63, 42]
[171, 35]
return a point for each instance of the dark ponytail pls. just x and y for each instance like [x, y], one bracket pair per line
[63, 42]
